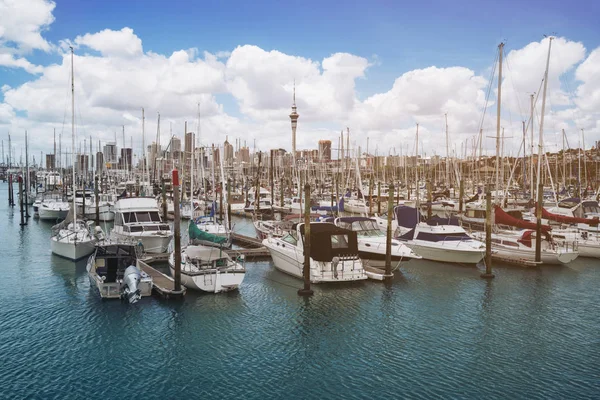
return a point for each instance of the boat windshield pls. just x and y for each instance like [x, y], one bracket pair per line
[141, 216]
[363, 228]
[591, 207]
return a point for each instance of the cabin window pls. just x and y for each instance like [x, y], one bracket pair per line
[118, 219]
[339, 241]
[154, 217]
[142, 216]
[128, 217]
[290, 239]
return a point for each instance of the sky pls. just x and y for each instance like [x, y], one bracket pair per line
[228, 68]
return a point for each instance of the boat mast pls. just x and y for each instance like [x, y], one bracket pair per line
[500, 53]
[73, 135]
[531, 158]
[540, 194]
[447, 153]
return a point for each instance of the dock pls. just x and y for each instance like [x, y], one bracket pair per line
[162, 284]
[246, 241]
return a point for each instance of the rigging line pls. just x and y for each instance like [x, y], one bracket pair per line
[489, 90]
[513, 84]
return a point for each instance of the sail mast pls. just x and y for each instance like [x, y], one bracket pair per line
[500, 53]
[540, 194]
[73, 135]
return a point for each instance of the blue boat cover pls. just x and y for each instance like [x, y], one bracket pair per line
[407, 217]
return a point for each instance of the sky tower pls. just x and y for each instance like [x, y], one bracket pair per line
[294, 117]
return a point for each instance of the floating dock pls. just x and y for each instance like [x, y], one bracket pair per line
[162, 284]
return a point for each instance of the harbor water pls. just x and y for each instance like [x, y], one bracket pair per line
[437, 330]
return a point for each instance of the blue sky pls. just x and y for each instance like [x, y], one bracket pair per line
[395, 38]
[404, 35]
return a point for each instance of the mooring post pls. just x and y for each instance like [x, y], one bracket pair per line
[429, 199]
[460, 196]
[177, 229]
[388, 240]
[379, 198]
[228, 204]
[306, 290]
[97, 198]
[21, 200]
[371, 197]
[164, 199]
[538, 227]
[488, 235]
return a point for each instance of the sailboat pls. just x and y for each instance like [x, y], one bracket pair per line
[73, 239]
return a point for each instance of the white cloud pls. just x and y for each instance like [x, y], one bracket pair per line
[22, 21]
[123, 43]
[114, 78]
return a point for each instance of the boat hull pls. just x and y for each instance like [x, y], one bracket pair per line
[213, 281]
[152, 243]
[72, 250]
[456, 256]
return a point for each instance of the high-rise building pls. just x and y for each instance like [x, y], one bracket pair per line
[81, 164]
[175, 148]
[99, 161]
[325, 150]
[125, 160]
[50, 161]
[227, 152]
[243, 155]
[110, 155]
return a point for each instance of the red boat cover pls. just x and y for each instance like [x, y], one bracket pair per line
[563, 219]
[526, 238]
[506, 219]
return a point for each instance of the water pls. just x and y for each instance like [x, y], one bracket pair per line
[437, 330]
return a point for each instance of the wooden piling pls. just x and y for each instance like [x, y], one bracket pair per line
[21, 201]
[379, 198]
[164, 199]
[388, 240]
[177, 229]
[429, 199]
[371, 197]
[460, 196]
[538, 227]
[306, 290]
[97, 198]
[488, 235]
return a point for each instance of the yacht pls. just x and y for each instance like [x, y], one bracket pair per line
[372, 243]
[113, 270]
[106, 203]
[53, 209]
[438, 239]
[74, 239]
[334, 253]
[209, 269]
[138, 218]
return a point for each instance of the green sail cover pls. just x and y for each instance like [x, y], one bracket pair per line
[198, 234]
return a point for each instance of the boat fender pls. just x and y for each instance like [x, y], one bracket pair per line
[334, 263]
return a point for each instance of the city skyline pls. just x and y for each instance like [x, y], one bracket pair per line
[243, 86]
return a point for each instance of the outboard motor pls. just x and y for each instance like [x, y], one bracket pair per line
[131, 280]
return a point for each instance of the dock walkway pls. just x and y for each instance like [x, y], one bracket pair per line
[162, 284]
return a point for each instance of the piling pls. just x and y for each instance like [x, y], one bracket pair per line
[538, 226]
[164, 199]
[228, 204]
[488, 235]
[429, 199]
[97, 198]
[337, 195]
[460, 196]
[379, 198]
[306, 290]
[21, 201]
[177, 229]
[388, 240]
[371, 197]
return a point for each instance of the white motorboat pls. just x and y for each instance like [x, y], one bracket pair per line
[333, 253]
[439, 239]
[106, 203]
[138, 218]
[372, 243]
[53, 210]
[113, 270]
[209, 269]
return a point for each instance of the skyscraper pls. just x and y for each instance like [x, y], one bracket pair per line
[324, 150]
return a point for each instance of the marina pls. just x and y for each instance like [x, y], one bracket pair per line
[528, 333]
[310, 201]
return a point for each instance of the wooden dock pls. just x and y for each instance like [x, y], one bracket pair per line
[253, 253]
[246, 241]
[162, 284]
